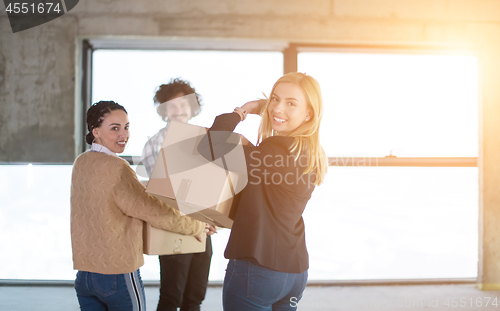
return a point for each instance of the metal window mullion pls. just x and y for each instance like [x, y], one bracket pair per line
[86, 95]
[399, 162]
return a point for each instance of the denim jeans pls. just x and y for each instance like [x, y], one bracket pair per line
[249, 287]
[110, 292]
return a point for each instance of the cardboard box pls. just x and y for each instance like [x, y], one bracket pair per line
[161, 242]
[199, 187]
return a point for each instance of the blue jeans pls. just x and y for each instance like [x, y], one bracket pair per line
[249, 287]
[110, 292]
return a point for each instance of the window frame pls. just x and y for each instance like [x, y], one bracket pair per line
[290, 52]
[291, 64]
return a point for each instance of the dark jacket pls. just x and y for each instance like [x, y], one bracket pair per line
[268, 227]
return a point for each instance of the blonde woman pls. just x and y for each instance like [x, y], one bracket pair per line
[268, 262]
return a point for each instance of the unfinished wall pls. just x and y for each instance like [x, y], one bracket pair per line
[37, 72]
[37, 65]
[36, 92]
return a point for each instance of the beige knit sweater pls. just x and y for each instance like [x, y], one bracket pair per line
[108, 206]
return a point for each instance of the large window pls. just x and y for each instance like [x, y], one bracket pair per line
[401, 196]
[375, 218]
[407, 105]
[224, 79]
[34, 222]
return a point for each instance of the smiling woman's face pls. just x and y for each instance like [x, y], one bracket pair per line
[288, 108]
[113, 132]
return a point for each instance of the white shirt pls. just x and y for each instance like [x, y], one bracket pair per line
[100, 148]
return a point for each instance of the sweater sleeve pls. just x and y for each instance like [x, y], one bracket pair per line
[130, 196]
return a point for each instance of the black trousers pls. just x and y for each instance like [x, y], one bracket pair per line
[184, 280]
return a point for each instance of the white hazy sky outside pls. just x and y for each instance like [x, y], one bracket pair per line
[410, 105]
[362, 223]
[224, 80]
[374, 104]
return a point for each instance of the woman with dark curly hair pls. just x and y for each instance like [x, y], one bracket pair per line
[108, 207]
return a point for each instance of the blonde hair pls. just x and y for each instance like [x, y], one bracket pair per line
[307, 134]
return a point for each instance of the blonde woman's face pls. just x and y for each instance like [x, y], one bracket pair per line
[288, 108]
[113, 132]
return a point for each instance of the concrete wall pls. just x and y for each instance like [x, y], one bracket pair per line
[36, 92]
[37, 66]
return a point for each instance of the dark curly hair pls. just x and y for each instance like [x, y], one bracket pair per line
[166, 92]
[96, 114]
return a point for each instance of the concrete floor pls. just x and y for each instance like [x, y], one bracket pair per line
[316, 298]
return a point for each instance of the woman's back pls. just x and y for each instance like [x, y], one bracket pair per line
[268, 227]
[105, 239]
[108, 207]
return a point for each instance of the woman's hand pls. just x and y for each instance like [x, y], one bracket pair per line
[254, 106]
[209, 230]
